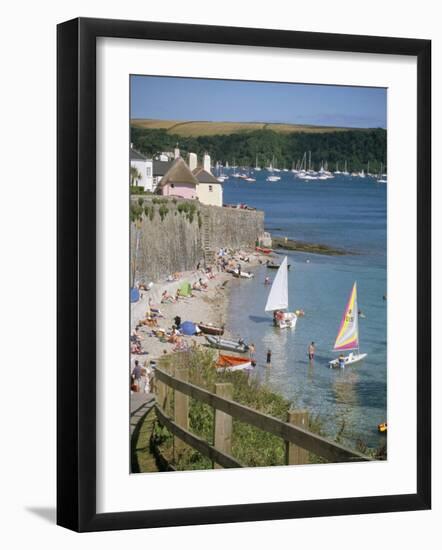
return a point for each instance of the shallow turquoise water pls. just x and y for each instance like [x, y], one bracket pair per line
[344, 212]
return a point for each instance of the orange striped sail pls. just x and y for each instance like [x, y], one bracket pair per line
[348, 334]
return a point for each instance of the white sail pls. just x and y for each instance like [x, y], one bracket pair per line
[279, 295]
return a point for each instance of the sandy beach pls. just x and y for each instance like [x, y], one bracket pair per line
[208, 306]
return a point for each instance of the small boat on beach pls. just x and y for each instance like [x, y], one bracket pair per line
[243, 274]
[348, 334]
[278, 299]
[263, 250]
[232, 363]
[271, 265]
[208, 328]
[230, 345]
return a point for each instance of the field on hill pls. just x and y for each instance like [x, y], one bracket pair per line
[193, 128]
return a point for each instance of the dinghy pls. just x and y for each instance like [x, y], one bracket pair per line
[275, 266]
[229, 345]
[278, 299]
[232, 363]
[348, 334]
[243, 275]
[207, 328]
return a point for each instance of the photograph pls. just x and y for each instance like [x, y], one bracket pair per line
[258, 273]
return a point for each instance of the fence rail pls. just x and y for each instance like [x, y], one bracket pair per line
[298, 439]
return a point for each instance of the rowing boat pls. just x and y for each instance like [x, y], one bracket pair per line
[208, 328]
[232, 363]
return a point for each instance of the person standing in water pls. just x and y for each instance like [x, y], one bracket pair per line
[269, 358]
[311, 352]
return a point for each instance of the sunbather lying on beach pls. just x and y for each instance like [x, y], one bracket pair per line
[148, 322]
[166, 297]
[135, 338]
[209, 273]
[153, 310]
[202, 284]
[174, 336]
[136, 348]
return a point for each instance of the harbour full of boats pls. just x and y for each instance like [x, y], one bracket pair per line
[303, 170]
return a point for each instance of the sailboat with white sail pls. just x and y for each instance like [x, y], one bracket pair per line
[278, 299]
[348, 334]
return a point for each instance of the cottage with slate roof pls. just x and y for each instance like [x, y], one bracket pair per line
[209, 189]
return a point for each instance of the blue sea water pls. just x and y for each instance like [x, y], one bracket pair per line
[344, 212]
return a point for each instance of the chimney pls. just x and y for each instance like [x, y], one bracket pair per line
[193, 161]
[206, 163]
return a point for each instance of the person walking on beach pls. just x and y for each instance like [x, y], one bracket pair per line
[311, 352]
[269, 358]
[251, 351]
[136, 375]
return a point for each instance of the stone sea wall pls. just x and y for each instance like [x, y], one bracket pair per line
[174, 235]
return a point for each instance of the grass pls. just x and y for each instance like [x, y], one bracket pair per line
[193, 128]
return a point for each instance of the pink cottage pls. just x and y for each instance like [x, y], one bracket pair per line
[178, 181]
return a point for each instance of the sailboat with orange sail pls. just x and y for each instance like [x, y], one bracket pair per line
[348, 334]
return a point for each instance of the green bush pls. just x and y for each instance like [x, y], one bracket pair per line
[137, 190]
[163, 210]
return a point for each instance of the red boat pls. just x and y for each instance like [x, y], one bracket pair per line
[263, 250]
[232, 363]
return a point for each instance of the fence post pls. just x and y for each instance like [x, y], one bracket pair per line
[223, 422]
[170, 394]
[160, 390]
[181, 406]
[295, 454]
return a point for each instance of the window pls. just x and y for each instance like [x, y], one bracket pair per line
[172, 185]
[149, 171]
[210, 187]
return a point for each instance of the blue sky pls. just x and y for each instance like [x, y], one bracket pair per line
[238, 101]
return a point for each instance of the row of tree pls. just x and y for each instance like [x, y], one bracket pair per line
[356, 147]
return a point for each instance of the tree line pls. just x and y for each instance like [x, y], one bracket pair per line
[356, 147]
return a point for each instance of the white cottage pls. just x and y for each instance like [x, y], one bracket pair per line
[209, 189]
[141, 173]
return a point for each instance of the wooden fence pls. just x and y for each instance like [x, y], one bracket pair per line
[173, 392]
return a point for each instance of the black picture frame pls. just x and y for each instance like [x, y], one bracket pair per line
[76, 274]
